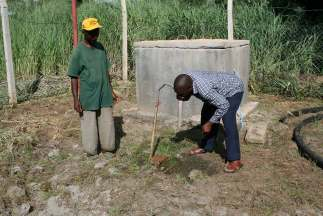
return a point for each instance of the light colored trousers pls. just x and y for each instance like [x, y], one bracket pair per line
[97, 129]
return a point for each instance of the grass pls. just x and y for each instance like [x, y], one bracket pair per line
[166, 145]
[281, 50]
[275, 178]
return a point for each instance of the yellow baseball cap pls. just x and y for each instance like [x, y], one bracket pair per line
[89, 24]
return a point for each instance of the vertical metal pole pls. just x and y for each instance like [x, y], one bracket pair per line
[74, 18]
[75, 35]
[180, 113]
[230, 20]
[8, 53]
[152, 143]
[124, 41]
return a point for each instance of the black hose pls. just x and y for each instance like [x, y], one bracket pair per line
[304, 149]
[301, 112]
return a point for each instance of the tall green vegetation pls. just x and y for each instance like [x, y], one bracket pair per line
[41, 38]
[281, 51]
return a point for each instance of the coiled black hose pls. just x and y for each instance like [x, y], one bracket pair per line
[301, 112]
[304, 149]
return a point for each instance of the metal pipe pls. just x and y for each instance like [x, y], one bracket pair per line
[74, 18]
[152, 143]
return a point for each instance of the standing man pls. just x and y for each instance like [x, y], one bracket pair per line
[93, 99]
[222, 94]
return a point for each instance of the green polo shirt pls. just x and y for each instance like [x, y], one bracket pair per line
[91, 66]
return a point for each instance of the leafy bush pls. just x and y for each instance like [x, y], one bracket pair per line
[282, 48]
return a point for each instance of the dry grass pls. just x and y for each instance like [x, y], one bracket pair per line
[275, 177]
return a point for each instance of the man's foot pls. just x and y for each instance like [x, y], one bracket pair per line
[197, 151]
[233, 166]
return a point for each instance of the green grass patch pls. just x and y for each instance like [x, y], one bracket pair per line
[283, 48]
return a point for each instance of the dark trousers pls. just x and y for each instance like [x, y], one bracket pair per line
[230, 128]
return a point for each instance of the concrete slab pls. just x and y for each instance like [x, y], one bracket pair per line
[192, 44]
[159, 62]
[257, 132]
[248, 107]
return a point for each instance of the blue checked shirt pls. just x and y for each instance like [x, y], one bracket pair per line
[214, 88]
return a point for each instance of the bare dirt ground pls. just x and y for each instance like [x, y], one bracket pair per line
[313, 134]
[44, 172]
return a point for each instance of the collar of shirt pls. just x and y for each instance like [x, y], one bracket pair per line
[194, 84]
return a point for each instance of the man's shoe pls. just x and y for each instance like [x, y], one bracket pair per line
[233, 166]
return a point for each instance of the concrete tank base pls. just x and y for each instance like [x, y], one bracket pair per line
[159, 62]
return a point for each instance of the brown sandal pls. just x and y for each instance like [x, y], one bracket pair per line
[233, 166]
[197, 151]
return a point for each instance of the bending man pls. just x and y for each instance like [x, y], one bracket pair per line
[222, 94]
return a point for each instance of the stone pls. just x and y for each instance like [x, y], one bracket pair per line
[15, 193]
[179, 156]
[98, 181]
[224, 211]
[100, 164]
[16, 170]
[106, 195]
[195, 175]
[191, 212]
[102, 197]
[256, 133]
[279, 128]
[54, 181]
[33, 186]
[53, 153]
[157, 160]
[74, 191]
[201, 200]
[37, 169]
[307, 211]
[2, 180]
[248, 107]
[22, 210]
[77, 157]
[113, 171]
[280, 213]
[107, 155]
[56, 208]
[2, 206]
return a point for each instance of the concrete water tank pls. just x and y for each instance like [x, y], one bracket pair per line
[159, 62]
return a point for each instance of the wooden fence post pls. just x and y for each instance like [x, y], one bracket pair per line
[124, 41]
[8, 53]
[230, 20]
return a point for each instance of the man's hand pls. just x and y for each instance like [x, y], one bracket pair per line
[77, 106]
[116, 97]
[75, 91]
[207, 127]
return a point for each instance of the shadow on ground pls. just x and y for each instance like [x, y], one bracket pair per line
[183, 163]
[118, 122]
[195, 135]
